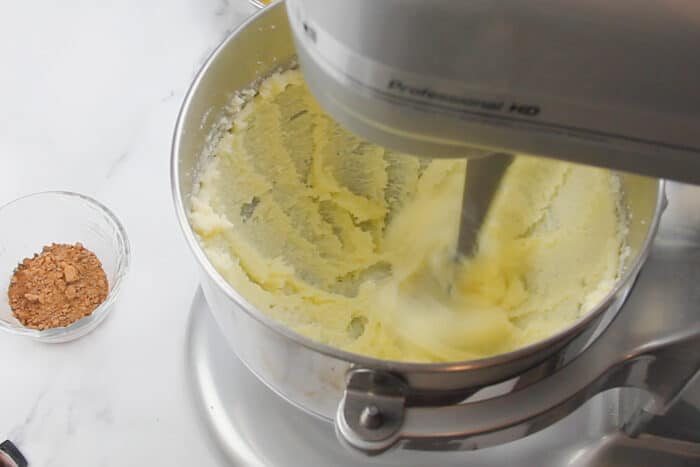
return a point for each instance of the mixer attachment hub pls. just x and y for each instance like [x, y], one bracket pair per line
[371, 415]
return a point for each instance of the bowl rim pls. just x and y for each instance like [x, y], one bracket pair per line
[123, 263]
[258, 4]
[564, 335]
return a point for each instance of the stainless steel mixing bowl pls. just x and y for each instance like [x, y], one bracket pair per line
[316, 377]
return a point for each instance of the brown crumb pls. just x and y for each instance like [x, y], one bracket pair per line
[57, 287]
[70, 273]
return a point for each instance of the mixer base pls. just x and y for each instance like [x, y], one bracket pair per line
[253, 426]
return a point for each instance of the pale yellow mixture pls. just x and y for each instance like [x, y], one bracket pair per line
[353, 245]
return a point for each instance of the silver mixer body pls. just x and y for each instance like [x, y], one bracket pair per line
[604, 83]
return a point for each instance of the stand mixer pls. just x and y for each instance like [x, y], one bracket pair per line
[393, 89]
[567, 80]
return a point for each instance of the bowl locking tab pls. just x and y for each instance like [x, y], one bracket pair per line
[371, 414]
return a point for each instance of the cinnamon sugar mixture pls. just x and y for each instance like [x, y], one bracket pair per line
[57, 287]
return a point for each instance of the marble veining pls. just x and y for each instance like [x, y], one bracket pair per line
[90, 92]
[119, 161]
[17, 433]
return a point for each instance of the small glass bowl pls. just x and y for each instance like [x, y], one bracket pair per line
[29, 223]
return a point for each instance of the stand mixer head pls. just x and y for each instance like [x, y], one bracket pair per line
[589, 81]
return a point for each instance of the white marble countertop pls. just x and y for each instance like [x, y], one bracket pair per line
[90, 92]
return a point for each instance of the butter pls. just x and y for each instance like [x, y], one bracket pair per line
[353, 245]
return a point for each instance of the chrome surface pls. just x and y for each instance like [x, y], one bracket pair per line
[254, 427]
[371, 418]
[373, 408]
[481, 182]
[312, 375]
[257, 3]
[568, 80]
